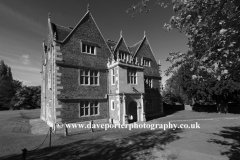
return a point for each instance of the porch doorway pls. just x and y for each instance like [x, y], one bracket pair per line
[132, 112]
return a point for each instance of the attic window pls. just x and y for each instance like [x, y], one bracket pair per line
[123, 55]
[87, 48]
[146, 62]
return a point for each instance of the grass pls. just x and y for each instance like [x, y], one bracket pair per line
[119, 144]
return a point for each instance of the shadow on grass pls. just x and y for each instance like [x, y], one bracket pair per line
[135, 146]
[231, 140]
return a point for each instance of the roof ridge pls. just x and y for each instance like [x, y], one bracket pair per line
[136, 43]
[75, 27]
[109, 40]
[61, 26]
[145, 37]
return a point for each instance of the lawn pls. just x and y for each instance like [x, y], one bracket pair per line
[216, 137]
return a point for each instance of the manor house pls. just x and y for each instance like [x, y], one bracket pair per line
[88, 78]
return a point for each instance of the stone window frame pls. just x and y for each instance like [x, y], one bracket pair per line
[131, 76]
[87, 48]
[124, 55]
[146, 62]
[89, 77]
[89, 108]
[112, 105]
[148, 81]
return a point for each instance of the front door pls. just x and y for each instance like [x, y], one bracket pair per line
[132, 112]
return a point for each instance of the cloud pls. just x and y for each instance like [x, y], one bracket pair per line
[31, 24]
[26, 68]
[25, 59]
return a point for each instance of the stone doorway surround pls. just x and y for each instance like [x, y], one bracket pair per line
[138, 98]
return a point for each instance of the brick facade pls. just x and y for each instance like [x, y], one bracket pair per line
[68, 75]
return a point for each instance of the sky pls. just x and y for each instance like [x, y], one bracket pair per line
[23, 26]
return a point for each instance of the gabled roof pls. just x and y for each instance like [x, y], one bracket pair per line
[61, 31]
[119, 43]
[139, 44]
[86, 16]
[111, 44]
[134, 48]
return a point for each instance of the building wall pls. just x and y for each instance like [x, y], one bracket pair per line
[72, 92]
[114, 114]
[70, 111]
[127, 88]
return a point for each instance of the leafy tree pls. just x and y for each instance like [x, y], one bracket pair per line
[6, 86]
[212, 28]
[27, 97]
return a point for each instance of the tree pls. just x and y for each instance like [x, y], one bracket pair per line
[212, 28]
[27, 97]
[6, 86]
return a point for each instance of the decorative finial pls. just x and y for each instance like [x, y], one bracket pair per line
[144, 34]
[120, 33]
[159, 63]
[49, 16]
[88, 7]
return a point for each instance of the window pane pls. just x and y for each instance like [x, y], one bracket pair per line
[91, 80]
[82, 104]
[134, 80]
[96, 73]
[91, 73]
[86, 103]
[81, 72]
[86, 112]
[81, 80]
[96, 110]
[96, 80]
[86, 80]
[88, 49]
[96, 103]
[83, 47]
[81, 111]
[91, 110]
[92, 49]
[86, 72]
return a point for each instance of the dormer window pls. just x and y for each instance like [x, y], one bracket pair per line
[123, 55]
[88, 48]
[146, 62]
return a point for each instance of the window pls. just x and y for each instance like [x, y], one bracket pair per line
[146, 62]
[148, 82]
[113, 76]
[112, 105]
[149, 105]
[90, 49]
[89, 108]
[123, 55]
[89, 77]
[132, 76]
